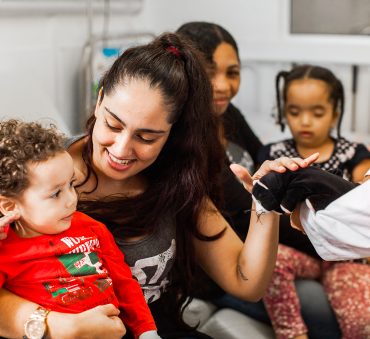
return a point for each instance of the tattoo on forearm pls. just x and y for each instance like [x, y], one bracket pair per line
[241, 273]
[258, 214]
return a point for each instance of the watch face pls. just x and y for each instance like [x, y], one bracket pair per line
[35, 329]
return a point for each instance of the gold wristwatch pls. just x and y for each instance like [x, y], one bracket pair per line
[35, 327]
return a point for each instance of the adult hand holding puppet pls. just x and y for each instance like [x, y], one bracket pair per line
[334, 213]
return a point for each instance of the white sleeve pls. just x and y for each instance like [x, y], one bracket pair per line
[342, 230]
[149, 335]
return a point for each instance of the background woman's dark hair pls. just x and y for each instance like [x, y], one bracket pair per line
[187, 169]
[336, 91]
[207, 36]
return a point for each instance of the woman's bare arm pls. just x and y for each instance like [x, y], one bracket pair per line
[244, 270]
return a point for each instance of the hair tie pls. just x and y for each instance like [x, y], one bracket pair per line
[172, 49]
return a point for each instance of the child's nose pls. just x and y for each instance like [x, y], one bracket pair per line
[306, 119]
[72, 198]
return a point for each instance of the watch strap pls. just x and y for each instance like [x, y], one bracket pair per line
[40, 314]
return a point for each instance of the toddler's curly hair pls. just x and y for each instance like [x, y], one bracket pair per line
[20, 144]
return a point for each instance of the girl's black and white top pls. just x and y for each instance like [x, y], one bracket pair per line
[345, 157]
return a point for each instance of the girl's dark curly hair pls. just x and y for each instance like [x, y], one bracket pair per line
[20, 144]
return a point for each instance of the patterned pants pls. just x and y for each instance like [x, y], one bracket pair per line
[347, 285]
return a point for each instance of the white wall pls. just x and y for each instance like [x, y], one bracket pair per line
[41, 56]
[262, 31]
[40, 66]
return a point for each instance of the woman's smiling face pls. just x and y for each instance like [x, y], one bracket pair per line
[225, 76]
[130, 131]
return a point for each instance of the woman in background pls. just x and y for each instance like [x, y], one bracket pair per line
[241, 146]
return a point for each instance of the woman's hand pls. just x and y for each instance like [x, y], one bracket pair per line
[97, 323]
[282, 164]
[279, 165]
[243, 175]
[5, 221]
[366, 176]
[295, 220]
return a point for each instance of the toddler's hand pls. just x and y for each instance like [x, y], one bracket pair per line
[4, 223]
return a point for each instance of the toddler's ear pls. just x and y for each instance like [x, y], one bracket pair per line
[8, 205]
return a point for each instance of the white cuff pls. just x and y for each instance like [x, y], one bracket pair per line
[149, 335]
[259, 208]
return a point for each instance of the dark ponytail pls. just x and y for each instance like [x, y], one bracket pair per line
[280, 107]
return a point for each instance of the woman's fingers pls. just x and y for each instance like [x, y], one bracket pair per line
[268, 166]
[244, 176]
[311, 159]
[109, 310]
[282, 164]
[100, 322]
[299, 162]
